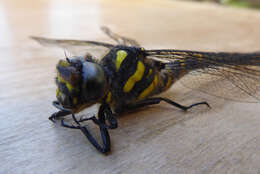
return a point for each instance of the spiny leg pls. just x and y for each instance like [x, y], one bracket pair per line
[61, 113]
[65, 124]
[58, 115]
[104, 114]
[103, 131]
[109, 116]
[90, 137]
[101, 122]
[157, 100]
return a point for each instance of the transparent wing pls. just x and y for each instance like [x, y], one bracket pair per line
[226, 83]
[76, 47]
[233, 76]
[121, 40]
[82, 47]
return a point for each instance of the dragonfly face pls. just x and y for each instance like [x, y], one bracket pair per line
[80, 83]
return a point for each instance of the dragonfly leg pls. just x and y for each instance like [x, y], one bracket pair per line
[107, 114]
[104, 114]
[65, 124]
[61, 113]
[58, 115]
[157, 100]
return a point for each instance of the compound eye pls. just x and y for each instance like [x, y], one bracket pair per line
[93, 81]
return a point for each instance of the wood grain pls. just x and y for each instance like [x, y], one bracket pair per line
[158, 139]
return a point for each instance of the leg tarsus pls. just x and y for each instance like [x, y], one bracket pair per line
[196, 104]
[157, 100]
[104, 114]
[64, 124]
[58, 114]
[184, 108]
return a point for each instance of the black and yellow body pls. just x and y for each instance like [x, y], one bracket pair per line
[128, 76]
[132, 77]
[122, 80]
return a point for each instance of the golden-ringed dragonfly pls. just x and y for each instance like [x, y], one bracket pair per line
[127, 77]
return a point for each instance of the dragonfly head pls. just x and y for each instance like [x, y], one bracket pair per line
[80, 83]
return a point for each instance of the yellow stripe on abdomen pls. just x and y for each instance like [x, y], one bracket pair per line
[120, 56]
[149, 89]
[137, 76]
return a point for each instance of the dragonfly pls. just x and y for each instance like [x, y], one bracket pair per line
[125, 76]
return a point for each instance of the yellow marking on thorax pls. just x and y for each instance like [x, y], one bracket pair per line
[137, 76]
[120, 56]
[149, 89]
[109, 96]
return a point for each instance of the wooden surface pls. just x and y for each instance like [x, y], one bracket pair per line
[158, 139]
